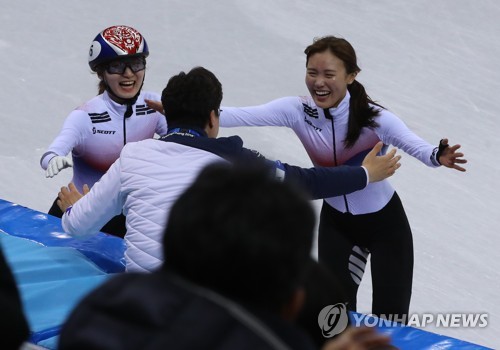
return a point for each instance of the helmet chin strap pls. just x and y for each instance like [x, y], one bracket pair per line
[129, 102]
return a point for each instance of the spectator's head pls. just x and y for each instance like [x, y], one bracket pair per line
[193, 100]
[243, 234]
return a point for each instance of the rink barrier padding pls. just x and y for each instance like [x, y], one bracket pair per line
[104, 250]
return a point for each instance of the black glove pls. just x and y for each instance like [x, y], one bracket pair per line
[442, 146]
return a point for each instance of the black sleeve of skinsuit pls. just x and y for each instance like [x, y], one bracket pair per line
[13, 325]
[324, 182]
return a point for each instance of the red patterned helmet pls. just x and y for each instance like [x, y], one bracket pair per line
[115, 42]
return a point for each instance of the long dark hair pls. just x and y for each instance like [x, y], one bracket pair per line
[361, 113]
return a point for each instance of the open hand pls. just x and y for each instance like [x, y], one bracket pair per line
[450, 158]
[381, 167]
[70, 195]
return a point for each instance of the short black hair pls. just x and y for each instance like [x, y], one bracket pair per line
[241, 233]
[189, 98]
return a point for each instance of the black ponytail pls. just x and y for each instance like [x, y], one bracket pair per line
[361, 113]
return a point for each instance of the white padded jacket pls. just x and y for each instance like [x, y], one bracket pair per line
[150, 175]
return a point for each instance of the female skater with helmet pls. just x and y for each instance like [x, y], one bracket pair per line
[96, 132]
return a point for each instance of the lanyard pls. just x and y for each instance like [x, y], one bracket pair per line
[183, 132]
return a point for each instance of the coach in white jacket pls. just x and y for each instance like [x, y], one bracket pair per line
[151, 174]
